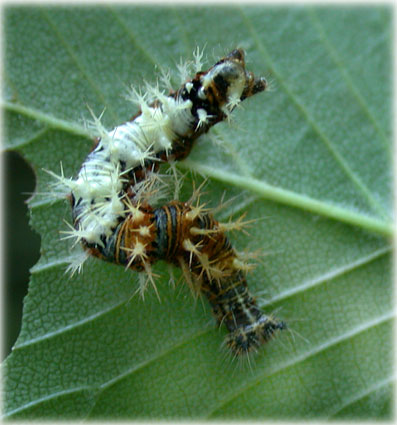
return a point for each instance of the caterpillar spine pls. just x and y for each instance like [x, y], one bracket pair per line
[112, 208]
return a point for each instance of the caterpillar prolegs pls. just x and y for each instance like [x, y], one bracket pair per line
[114, 216]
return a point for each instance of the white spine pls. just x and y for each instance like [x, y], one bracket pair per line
[99, 182]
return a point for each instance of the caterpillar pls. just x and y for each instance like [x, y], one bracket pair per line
[112, 197]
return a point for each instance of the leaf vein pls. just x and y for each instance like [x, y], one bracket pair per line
[132, 36]
[293, 199]
[364, 327]
[44, 399]
[345, 74]
[69, 327]
[372, 201]
[79, 65]
[357, 397]
[331, 275]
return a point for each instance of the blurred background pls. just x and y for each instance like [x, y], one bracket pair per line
[21, 243]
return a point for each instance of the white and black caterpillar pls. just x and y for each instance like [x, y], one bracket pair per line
[115, 220]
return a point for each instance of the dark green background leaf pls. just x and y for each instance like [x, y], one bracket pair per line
[312, 157]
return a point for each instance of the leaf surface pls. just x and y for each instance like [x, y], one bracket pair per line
[311, 159]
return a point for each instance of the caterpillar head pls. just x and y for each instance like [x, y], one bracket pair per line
[229, 82]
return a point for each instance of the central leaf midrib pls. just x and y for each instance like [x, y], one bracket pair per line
[293, 199]
[265, 191]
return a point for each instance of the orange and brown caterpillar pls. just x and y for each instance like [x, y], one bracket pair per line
[114, 217]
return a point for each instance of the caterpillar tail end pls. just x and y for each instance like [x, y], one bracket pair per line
[246, 339]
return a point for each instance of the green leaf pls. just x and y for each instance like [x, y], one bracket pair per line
[310, 160]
